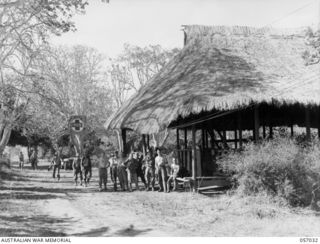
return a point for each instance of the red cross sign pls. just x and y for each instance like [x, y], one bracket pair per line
[76, 124]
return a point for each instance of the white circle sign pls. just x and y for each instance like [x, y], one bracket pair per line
[77, 125]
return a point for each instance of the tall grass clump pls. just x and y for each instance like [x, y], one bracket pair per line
[281, 168]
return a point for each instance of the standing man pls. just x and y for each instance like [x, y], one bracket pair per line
[122, 173]
[57, 163]
[76, 166]
[132, 166]
[149, 165]
[34, 160]
[140, 172]
[161, 169]
[114, 162]
[87, 165]
[21, 160]
[103, 164]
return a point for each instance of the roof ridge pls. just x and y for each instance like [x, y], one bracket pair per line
[192, 30]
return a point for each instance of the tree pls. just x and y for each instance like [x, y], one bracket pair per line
[24, 28]
[312, 54]
[71, 84]
[134, 68]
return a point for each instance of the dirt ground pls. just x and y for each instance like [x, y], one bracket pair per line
[32, 203]
[35, 204]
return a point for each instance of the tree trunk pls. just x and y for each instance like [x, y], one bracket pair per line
[4, 139]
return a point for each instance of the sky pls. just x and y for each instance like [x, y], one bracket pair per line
[107, 27]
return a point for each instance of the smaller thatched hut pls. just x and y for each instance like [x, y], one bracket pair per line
[227, 79]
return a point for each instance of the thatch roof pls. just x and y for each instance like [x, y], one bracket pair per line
[224, 68]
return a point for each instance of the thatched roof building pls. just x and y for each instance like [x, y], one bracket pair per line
[226, 80]
[223, 68]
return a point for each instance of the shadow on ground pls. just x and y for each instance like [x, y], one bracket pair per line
[93, 233]
[131, 231]
[6, 173]
[40, 225]
[42, 189]
[27, 196]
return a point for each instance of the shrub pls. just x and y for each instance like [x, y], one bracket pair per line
[279, 168]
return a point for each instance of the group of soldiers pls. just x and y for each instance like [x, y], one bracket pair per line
[151, 168]
[81, 165]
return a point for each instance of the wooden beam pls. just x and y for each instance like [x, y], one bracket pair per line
[256, 123]
[194, 168]
[307, 117]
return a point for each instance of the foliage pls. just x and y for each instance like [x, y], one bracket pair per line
[279, 168]
[24, 29]
[69, 83]
[131, 70]
[134, 67]
[312, 55]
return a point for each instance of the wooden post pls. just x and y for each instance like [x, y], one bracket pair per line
[224, 138]
[318, 120]
[206, 138]
[203, 139]
[263, 125]
[270, 126]
[148, 141]
[291, 127]
[194, 173]
[185, 154]
[235, 139]
[270, 131]
[144, 146]
[178, 140]
[256, 123]
[239, 128]
[308, 130]
[119, 137]
[185, 138]
[235, 133]
[124, 140]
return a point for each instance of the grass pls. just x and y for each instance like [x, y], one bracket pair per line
[226, 215]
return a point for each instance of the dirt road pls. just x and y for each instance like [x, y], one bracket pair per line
[35, 204]
[32, 203]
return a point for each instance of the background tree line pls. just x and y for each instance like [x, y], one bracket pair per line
[42, 85]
